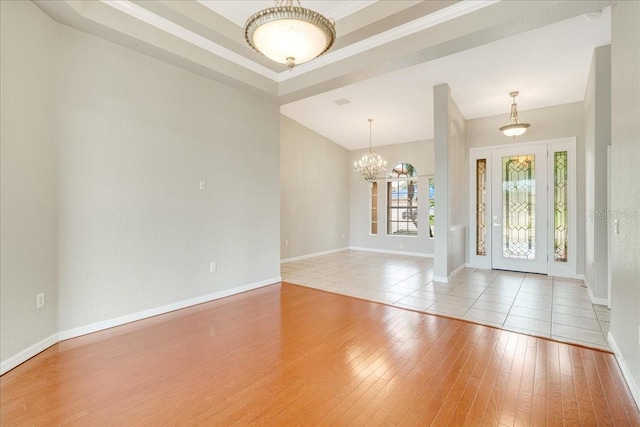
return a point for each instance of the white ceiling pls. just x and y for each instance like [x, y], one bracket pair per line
[239, 11]
[548, 65]
[387, 57]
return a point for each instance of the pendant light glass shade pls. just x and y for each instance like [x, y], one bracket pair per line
[371, 165]
[289, 34]
[513, 127]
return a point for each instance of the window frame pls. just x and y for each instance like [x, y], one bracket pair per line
[389, 205]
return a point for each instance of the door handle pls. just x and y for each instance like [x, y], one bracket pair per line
[496, 225]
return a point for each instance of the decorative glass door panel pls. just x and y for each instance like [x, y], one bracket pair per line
[519, 216]
[518, 207]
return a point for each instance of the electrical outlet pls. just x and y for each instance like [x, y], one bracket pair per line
[213, 267]
[40, 300]
[203, 185]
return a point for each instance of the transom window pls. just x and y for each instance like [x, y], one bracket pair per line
[402, 201]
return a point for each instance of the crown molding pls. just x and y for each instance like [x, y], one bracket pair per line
[189, 36]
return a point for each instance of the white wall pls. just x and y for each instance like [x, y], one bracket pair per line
[115, 176]
[29, 180]
[421, 155]
[314, 183]
[451, 172]
[458, 187]
[597, 113]
[546, 123]
[625, 197]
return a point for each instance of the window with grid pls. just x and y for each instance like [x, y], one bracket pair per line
[402, 201]
[374, 208]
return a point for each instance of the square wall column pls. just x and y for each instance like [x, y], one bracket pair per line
[451, 175]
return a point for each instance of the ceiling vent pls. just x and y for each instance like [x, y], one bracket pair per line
[343, 101]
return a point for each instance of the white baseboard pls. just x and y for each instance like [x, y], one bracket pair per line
[313, 255]
[446, 279]
[386, 251]
[457, 270]
[110, 323]
[594, 299]
[634, 387]
[27, 353]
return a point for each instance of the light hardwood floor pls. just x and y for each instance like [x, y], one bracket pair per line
[289, 355]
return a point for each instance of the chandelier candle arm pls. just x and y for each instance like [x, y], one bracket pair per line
[371, 164]
[289, 34]
[514, 127]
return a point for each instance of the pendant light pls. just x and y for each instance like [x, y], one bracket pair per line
[371, 164]
[289, 34]
[513, 127]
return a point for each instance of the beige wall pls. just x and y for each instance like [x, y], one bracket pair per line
[136, 138]
[29, 168]
[112, 168]
[625, 197]
[314, 183]
[421, 155]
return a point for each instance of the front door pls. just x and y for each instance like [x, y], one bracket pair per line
[519, 208]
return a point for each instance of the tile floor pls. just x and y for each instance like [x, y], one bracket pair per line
[529, 303]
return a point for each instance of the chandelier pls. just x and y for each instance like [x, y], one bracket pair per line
[289, 34]
[371, 164]
[514, 127]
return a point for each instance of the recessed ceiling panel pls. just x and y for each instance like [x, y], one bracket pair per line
[549, 66]
[239, 11]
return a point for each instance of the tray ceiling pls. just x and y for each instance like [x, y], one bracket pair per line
[386, 59]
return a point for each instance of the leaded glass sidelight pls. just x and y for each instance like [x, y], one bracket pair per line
[560, 206]
[481, 206]
[518, 207]
[432, 207]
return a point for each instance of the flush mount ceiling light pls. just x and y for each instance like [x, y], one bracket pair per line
[371, 164]
[513, 127]
[289, 34]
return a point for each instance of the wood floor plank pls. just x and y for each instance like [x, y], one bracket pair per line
[567, 386]
[456, 407]
[499, 391]
[615, 389]
[539, 413]
[555, 410]
[429, 399]
[289, 355]
[508, 413]
[486, 348]
[423, 375]
[583, 396]
[525, 396]
[479, 406]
